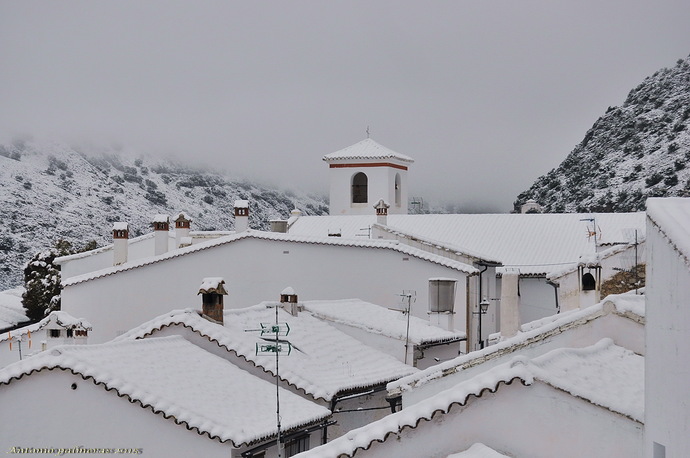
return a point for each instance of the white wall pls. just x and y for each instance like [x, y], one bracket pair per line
[255, 270]
[536, 421]
[48, 413]
[667, 362]
[381, 185]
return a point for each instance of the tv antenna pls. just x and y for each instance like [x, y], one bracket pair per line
[408, 297]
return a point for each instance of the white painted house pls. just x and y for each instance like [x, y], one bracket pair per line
[58, 328]
[152, 397]
[12, 311]
[667, 406]
[321, 364]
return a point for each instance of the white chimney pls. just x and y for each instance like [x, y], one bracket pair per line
[241, 215]
[161, 226]
[288, 297]
[120, 242]
[382, 212]
[182, 228]
[510, 301]
[442, 302]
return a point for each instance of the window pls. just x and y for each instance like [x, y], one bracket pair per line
[54, 333]
[359, 189]
[81, 333]
[588, 282]
[298, 445]
[70, 333]
[398, 191]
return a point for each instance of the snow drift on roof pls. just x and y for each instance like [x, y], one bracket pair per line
[12, 311]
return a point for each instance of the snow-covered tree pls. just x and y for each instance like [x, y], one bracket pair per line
[42, 281]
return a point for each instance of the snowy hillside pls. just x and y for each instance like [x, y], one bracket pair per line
[52, 192]
[638, 150]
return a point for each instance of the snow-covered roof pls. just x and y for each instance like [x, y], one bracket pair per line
[478, 450]
[208, 395]
[603, 374]
[324, 362]
[534, 333]
[672, 216]
[535, 244]
[366, 149]
[274, 236]
[58, 318]
[380, 320]
[12, 311]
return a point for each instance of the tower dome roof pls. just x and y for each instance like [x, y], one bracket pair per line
[366, 149]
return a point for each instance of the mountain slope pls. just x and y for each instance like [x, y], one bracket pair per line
[52, 192]
[638, 150]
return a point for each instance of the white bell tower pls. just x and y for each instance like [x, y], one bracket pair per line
[362, 174]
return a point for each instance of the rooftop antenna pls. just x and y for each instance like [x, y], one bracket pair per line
[593, 231]
[278, 347]
[367, 131]
[410, 296]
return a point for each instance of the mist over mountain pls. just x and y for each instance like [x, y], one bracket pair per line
[52, 192]
[638, 150]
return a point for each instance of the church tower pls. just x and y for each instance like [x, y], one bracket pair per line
[362, 174]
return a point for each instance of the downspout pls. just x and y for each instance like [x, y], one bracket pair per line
[555, 291]
[479, 299]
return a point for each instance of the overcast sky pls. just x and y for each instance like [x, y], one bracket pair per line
[485, 95]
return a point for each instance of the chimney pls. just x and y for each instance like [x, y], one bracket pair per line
[241, 215]
[212, 292]
[161, 226]
[279, 225]
[182, 228]
[442, 302]
[382, 212]
[288, 298]
[120, 242]
[510, 311]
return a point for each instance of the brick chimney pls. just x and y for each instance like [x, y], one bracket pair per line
[161, 226]
[382, 212]
[182, 228]
[212, 290]
[241, 215]
[288, 299]
[120, 242]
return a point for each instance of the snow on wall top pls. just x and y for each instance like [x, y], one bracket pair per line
[478, 450]
[323, 363]
[366, 149]
[672, 216]
[209, 395]
[274, 236]
[533, 243]
[534, 333]
[12, 311]
[603, 374]
[379, 320]
[59, 318]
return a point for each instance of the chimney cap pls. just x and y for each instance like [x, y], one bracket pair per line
[161, 218]
[212, 285]
[296, 213]
[182, 216]
[120, 226]
[288, 291]
[241, 204]
[381, 204]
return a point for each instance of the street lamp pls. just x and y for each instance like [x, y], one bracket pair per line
[483, 308]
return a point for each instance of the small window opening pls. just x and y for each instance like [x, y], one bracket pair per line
[70, 332]
[398, 190]
[359, 189]
[54, 333]
[588, 282]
